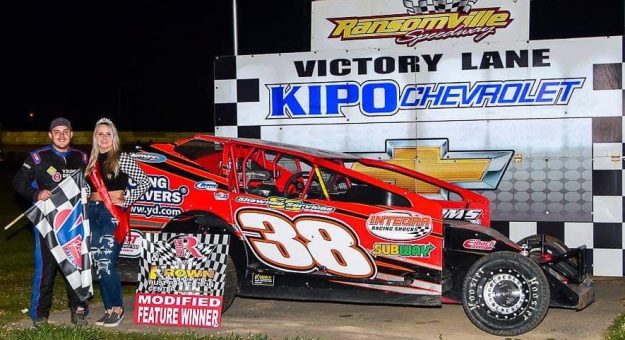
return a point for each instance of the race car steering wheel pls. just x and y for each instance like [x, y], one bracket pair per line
[293, 186]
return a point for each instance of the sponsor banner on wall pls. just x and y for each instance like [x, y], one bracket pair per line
[498, 81]
[181, 280]
[364, 24]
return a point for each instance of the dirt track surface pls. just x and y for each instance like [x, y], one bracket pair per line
[280, 319]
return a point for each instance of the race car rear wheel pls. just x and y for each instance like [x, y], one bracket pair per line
[505, 294]
[230, 286]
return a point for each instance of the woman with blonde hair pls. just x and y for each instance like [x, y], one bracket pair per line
[108, 173]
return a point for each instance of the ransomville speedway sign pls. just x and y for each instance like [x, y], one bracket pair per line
[382, 24]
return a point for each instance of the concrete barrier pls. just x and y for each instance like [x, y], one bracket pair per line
[26, 138]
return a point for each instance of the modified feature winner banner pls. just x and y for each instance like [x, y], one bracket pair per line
[181, 280]
[531, 99]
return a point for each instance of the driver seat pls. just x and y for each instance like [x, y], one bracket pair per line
[256, 185]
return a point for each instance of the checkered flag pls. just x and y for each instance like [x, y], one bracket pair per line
[63, 224]
[438, 6]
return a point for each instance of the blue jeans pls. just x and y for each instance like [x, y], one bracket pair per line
[104, 250]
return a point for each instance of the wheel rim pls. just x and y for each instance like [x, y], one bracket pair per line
[505, 294]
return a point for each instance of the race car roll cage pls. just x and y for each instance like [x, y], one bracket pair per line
[273, 181]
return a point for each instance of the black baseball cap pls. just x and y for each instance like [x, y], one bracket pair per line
[60, 122]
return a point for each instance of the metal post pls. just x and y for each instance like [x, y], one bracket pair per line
[234, 27]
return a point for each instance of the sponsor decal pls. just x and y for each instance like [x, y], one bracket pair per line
[69, 172]
[284, 204]
[55, 174]
[132, 244]
[381, 98]
[160, 191]
[155, 210]
[177, 273]
[221, 196]
[411, 29]
[161, 199]
[149, 157]
[57, 177]
[36, 157]
[405, 250]
[178, 310]
[476, 244]
[398, 225]
[461, 214]
[262, 279]
[189, 247]
[206, 185]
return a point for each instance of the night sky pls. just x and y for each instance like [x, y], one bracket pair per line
[134, 61]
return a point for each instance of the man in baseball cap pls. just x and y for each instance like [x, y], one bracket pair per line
[60, 122]
[41, 172]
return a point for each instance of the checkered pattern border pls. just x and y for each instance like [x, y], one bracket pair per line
[158, 250]
[230, 94]
[438, 6]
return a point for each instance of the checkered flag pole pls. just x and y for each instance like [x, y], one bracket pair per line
[63, 224]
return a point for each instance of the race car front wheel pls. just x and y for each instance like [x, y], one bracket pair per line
[505, 294]
[230, 286]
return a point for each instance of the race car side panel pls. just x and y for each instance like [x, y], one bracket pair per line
[321, 250]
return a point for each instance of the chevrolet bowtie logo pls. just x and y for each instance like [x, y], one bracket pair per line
[468, 169]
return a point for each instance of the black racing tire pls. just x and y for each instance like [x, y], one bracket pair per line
[505, 294]
[231, 285]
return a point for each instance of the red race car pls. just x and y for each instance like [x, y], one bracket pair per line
[317, 225]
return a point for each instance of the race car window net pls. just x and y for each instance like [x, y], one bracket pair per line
[344, 188]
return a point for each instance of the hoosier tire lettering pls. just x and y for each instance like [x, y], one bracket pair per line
[505, 294]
